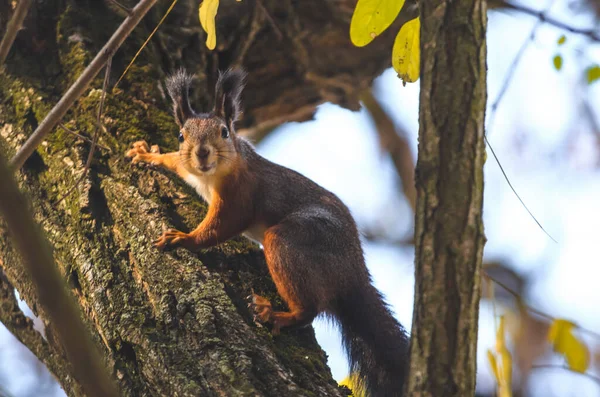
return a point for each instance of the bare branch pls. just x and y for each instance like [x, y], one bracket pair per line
[99, 127]
[533, 310]
[13, 28]
[146, 42]
[16, 322]
[272, 22]
[77, 89]
[396, 145]
[515, 191]
[85, 138]
[511, 70]
[23, 329]
[592, 33]
[121, 6]
[496, 103]
[39, 262]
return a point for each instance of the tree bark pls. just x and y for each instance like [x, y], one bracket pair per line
[449, 235]
[173, 324]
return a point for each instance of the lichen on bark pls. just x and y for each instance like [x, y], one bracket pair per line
[171, 324]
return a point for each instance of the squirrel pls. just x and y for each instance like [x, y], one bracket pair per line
[310, 240]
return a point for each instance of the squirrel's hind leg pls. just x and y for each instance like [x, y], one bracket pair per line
[291, 267]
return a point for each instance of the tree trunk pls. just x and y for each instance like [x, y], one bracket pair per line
[449, 236]
[167, 324]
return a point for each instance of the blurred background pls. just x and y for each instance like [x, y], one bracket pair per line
[543, 122]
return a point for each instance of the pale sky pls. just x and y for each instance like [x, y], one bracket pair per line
[539, 111]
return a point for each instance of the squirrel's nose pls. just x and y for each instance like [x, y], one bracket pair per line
[203, 152]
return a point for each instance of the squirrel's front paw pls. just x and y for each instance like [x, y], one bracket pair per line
[141, 152]
[171, 239]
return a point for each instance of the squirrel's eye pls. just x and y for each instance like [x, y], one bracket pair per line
[181, 137]
[224, 132]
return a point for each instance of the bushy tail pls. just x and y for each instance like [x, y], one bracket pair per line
[376, 344]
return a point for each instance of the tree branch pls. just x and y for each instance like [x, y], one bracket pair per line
[99, 127]
[16, 322]
[13, 28]
[84, 138]
[22, 328]
[77, 89]
[38, 259]
[592, 34]
[534, 310]
[396, 145]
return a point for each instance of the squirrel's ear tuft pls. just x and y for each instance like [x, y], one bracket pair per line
[227, 94]
[178, 86]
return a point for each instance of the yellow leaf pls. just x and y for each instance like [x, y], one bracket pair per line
[352, 382]
[371, 18]
[208, 13]
[505, 372]
[558, 62]
[493, 364]
[504, 391]
[501, 363]
[500, 343]
[564, 342]
[406, 54]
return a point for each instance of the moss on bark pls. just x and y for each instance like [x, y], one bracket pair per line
[171, 324]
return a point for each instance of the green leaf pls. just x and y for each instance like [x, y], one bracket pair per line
[558, 61]
[562, 39]
[371, 18]
[592, 73]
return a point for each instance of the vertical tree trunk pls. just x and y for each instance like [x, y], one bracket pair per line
[449, 235]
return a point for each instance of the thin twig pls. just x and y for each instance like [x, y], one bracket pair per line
[254, 26]
[121, 6]
[13, 27]
[145, 42]
[496, 103]
[37, 259]
[563, 367]
[512, 68]
[272, 22]
[514, 190]
[592, 33]
[82, 83]
[96, 133]
[85, 138]
[536, 311]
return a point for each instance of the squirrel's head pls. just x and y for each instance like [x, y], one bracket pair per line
[207, 141]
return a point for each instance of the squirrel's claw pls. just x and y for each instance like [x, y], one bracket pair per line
[262, 308]
[141, 152]
[170, 239]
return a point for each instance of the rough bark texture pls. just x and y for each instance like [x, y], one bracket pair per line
[449, 235]
[172, 324]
